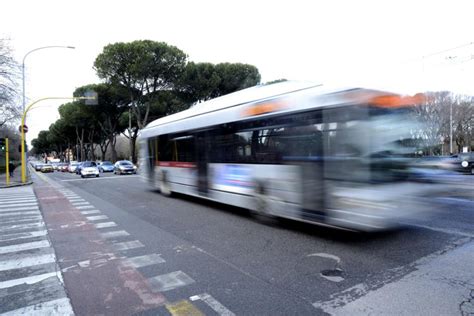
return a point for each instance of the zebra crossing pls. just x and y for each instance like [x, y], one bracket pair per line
[122, 241]
[30, 281]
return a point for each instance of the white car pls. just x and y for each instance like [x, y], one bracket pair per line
[89, 169]
[72, 166]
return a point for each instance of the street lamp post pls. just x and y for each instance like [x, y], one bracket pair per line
[23, 88]
[23, 67]
[23, 118]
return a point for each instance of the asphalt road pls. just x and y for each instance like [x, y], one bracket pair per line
[227, 262]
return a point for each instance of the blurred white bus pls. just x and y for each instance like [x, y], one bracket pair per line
[307, 152]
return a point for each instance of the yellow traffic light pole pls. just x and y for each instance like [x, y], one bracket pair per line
[23, 118]
[7, 161]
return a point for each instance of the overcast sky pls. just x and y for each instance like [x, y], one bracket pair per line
[378, 44]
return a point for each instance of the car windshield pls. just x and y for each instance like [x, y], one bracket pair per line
[125, 163]
[106, 163]
[88, 164]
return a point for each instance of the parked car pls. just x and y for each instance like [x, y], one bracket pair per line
[38, 166]
[47, 168]
[55, 165]
[63, 167]
[78, 167]
[124, 167]
[89, 169]
[106, 166]
[72, 166]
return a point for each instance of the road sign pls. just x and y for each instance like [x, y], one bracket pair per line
[25, 128]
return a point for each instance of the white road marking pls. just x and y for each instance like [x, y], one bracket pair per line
[143, 261]
[84, 207]
[27, 262]
[443, 230]
[21, 219]
[5, 214]
[11, 201]
[126, 245]
[90, 212]
[102, 178]
[21, 226]
[113, 234]
[325, 255]
[61, 306]
[4, 208]
[105, 225]
[170, 281]
[97, 218]
[25, 246]
[212, 303]
[30, 208]
[9, 237]
[79, 203]
[27, 280]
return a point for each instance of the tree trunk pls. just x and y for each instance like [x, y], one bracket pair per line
[112, 142]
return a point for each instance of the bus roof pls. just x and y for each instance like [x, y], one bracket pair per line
[228, 108]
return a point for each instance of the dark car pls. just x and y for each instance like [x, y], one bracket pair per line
[78, 168]
[124, 167]
[464, 162]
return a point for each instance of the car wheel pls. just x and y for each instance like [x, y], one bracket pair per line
[96, 175]
[82, 176]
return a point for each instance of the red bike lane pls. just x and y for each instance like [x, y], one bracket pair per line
[96, 278]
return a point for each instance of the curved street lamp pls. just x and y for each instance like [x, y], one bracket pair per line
[23, 66]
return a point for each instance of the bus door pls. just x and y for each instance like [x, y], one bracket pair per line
[202, 158]
[344, 141]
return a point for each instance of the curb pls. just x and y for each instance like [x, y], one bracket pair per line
[15, 185]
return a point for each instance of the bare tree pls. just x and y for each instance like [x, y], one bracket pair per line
[440, 111]
[9, 70]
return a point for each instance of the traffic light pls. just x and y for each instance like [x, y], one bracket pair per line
[3, 145]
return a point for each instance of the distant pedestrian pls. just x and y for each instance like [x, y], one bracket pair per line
[11, 168]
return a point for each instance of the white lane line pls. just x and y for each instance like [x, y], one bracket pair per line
[27, 280]
[25, 246]
[26, 262]
[143, 261]
[84, 207]
[90, 212]
[126, 245]
[2, 207]
[21, 226]
[102, 178]
[19, 213]
[61, 306]
[9, 237]
[30, 208]
[113, 234]
[97, 218]
[105, 225]
[212, 303]
[443, 230]
[170, 281]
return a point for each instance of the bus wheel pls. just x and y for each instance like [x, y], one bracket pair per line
[262, 204]
[164, 185]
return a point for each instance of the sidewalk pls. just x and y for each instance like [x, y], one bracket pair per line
[14, 181]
